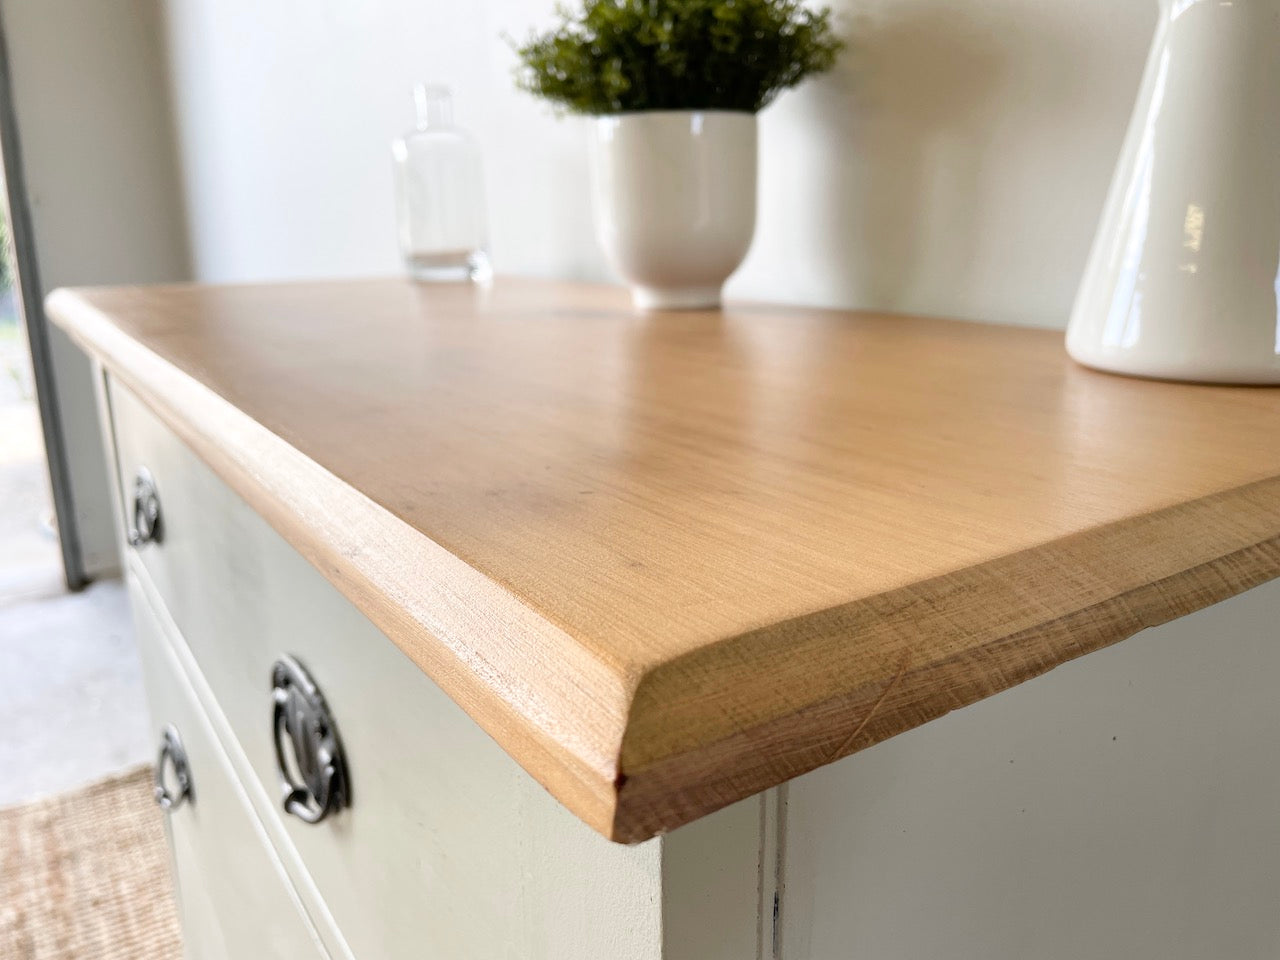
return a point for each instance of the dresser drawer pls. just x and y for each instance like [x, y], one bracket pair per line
[448, 848]
[152, 470]
[233, 897]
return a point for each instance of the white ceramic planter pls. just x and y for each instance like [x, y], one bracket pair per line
[675, 201]
[1182, 279]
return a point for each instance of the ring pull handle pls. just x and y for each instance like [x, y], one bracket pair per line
[146, 526]
[313, 769]
[172, 756]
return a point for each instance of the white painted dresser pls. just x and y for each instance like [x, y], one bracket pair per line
[441, 591]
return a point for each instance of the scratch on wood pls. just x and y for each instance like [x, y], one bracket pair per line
[848, 741]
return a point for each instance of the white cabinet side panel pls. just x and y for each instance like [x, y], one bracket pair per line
[717, 873]
[1122, 805]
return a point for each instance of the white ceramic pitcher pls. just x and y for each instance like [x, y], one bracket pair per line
[1182, 279]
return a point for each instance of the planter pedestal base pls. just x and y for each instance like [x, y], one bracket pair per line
[675, 298]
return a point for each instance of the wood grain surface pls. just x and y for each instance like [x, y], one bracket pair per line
[670, 560]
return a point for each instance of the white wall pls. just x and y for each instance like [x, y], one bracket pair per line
[96, 139]
[955, 164]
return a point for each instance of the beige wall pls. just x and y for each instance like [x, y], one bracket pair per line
[955, 165]
[96, 138]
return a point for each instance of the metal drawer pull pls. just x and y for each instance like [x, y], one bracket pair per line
[172, 754]
[146, 510]
[313, 769]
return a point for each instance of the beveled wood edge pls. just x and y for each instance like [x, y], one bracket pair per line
[1205, 551]
[560, 730]
[653, 754]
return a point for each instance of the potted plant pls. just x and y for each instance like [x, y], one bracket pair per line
[674, 87]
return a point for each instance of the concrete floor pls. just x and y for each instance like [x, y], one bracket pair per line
[71, 702]
[30, 564]
[72, 708]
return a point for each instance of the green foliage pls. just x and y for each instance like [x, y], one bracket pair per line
[6, 254]
[616, 56]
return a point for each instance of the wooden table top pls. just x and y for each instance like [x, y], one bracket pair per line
[668, 561]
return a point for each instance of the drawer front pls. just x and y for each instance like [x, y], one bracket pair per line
[448, 848]
[233, 897]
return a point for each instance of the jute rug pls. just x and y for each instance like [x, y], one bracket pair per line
[85, 876]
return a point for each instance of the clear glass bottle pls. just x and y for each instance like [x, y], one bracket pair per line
[440, 194]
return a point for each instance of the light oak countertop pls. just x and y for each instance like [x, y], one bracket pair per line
[668, 561]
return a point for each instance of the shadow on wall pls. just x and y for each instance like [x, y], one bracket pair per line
[964, 155]
[921, 85]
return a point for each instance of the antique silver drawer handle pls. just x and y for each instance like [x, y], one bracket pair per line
[146, 510]
[313, 769]
[172, 755]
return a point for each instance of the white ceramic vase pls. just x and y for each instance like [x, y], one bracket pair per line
[674, 195]
[1182, 280]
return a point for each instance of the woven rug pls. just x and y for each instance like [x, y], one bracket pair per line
[85, 876]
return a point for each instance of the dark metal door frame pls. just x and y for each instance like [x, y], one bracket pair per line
[31, 302]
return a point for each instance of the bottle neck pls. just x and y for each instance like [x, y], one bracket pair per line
[434, 105]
